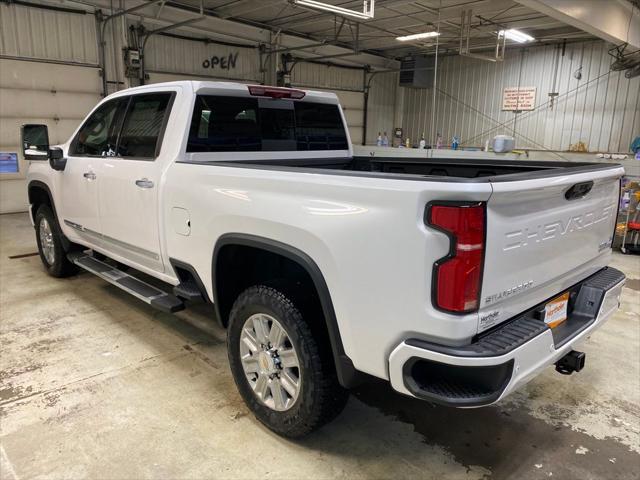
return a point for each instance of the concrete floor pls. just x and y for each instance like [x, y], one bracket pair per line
[96, 384]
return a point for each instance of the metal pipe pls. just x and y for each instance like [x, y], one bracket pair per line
[114, 43]
[301, 47]
[366, 108]
[131, 10]
[150, 33]
[435, 83]
[102, 56]
[55, 62]
[102, 42]
[322, 57]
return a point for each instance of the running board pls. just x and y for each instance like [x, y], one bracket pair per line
[147, 293]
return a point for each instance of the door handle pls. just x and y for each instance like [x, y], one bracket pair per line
[89, 175]
[144, 183]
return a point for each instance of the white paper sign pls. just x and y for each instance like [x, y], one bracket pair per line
[523, 98]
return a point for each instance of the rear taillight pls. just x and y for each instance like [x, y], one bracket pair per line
[275, 92]
[457, 277]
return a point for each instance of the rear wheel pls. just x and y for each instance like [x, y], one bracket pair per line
[50, 248]
[283, 374]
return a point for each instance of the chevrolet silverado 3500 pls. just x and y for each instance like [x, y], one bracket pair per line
[456, 281]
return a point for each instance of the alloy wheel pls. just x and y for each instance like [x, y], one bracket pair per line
[270, 362]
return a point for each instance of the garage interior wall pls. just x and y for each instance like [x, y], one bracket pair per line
[48, 74]
[168, 58]
[381, 105]
[601, 108]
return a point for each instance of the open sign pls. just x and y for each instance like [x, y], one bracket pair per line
[226, 62]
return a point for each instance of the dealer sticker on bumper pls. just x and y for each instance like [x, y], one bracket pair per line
[555, 312]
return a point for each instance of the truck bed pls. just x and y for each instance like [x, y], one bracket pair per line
[463, 170]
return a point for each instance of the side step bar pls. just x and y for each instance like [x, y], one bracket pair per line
[147, 293]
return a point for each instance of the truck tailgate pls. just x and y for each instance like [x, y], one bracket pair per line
[543, 235]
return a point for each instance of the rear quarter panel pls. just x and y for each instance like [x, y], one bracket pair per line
[367, 235]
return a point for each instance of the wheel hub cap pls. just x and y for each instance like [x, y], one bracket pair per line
[267, 363]
[46, 241]
[270, 362]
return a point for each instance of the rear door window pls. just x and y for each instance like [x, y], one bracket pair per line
[143, 125]
[244, 124]
[319, 127]
[224, 124]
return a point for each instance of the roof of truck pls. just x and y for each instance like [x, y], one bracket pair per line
[219, 86]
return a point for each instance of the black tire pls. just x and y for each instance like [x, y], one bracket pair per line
[321, 398]
[60, 266]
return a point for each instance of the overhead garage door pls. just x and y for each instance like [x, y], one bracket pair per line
[353, 106]
[344, 82]
[48, 74]
[157, 77]
[36, 92]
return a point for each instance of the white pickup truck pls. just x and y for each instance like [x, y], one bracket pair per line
[456, 281]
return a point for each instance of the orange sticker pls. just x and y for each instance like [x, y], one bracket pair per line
[555, 312]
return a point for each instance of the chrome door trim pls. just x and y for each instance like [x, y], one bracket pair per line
[118, 243]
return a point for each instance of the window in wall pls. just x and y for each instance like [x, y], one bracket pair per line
[143, 124]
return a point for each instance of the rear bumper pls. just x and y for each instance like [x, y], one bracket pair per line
[501, 360]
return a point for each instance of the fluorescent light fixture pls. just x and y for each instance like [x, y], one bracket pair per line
[417, 36]
[516, 35]
[366, 14]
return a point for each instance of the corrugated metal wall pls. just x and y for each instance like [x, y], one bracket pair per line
[346, 83]
[602, 108]
[328, 76]
[381, 105]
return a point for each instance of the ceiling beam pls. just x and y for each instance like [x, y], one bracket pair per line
[214, 26]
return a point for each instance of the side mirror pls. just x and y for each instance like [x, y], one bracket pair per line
[35, 146]
[57, 161]
[35, 142]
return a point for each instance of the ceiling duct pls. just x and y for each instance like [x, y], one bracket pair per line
[417, 72]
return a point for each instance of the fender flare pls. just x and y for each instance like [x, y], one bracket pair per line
[66, 243]
[43, 186]
[348, 376]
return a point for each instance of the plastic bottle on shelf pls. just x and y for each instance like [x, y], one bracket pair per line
[455, 142]
[379, 140]
[385, 140]
[423, 142]
[439, 141]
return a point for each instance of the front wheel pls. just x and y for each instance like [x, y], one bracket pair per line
[284, 376]
[49, 239]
